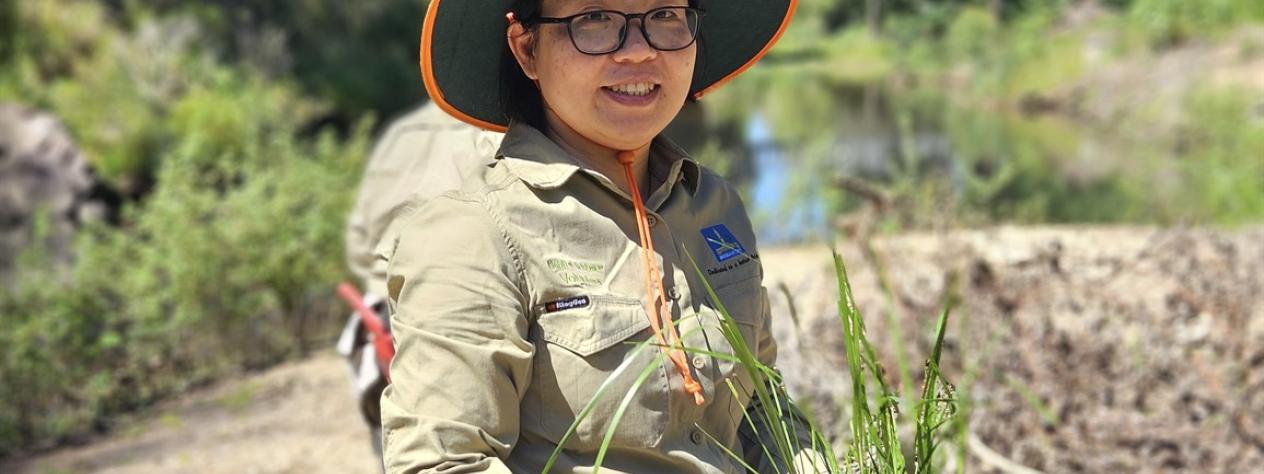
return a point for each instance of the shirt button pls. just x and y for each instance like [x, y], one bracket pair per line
[695, 436]
[699, 362]
[673, 293]
[653, 221]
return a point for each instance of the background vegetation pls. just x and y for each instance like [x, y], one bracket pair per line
[236, 131]
[228, 249]
[1031, 111]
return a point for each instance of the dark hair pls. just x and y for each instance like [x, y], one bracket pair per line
[520, 98]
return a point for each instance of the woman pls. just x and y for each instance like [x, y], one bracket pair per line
[517, 298]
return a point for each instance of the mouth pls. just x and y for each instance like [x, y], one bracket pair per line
[636, 94]
[636, 89]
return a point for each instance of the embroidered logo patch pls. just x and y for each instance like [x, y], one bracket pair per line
[568, 303]
[722, 243]
[573, 272]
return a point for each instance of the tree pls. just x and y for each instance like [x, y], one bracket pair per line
[873, 16]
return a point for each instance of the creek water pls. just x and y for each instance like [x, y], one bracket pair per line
[788, 148]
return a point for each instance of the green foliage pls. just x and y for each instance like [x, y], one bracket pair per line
[1174, 21]
[361, 55]
[1015, 94]
[875, 445]
[48, 392]
[227, 264]
[1223, 168]
[972, 35]
[1210, 172]
[66, 58]
[856, 56]
[224, 267]
[789, 439]
[55, 35]
[126, 96]
[8, 30]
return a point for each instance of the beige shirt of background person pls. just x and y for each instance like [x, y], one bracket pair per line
[517, 297]
[420, 156]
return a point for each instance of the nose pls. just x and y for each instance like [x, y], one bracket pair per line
[635, 47]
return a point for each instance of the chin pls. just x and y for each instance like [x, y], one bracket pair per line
[625, 142]
[631, 135]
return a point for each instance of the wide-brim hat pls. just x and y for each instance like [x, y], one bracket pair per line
[462, 41]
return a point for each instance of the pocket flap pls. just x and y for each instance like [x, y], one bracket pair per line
[599, 325]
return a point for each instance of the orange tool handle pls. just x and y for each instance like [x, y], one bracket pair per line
[383, 344]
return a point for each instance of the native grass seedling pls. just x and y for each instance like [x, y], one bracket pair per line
[790, 443]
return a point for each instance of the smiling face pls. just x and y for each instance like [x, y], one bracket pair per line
[616, 101]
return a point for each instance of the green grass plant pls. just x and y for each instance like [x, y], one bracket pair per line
[790, 441]
[875, 446]
[1047, 415]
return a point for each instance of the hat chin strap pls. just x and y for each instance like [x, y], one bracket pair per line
[657, 308]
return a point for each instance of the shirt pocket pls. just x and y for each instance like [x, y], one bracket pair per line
[577, 351]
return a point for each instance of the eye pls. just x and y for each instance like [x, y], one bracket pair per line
[596, 17]
[665, 14]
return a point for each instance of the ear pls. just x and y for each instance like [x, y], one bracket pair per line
[522, 44]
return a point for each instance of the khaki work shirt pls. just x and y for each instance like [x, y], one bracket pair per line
[515, 298]
[420, 156]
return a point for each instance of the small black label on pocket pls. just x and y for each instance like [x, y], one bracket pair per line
[568, 303]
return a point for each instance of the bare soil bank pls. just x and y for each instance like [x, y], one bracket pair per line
[1078, 350]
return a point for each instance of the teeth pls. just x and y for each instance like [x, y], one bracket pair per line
[639, 89]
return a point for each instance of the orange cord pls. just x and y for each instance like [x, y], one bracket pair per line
[658, 309]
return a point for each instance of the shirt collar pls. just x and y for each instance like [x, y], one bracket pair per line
[537, 161]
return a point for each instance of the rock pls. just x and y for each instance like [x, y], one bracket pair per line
[43, 177]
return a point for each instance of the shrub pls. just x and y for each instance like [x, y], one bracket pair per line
[221, 269]
[1169, 22]
[228, 263]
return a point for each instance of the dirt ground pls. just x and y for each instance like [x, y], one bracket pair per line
[298, 417]
[1075, 349]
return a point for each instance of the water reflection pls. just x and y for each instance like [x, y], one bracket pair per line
[780, 218]
[940, 163]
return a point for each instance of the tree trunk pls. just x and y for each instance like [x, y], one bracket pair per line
[873, 16]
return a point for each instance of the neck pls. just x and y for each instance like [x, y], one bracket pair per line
[600, 158]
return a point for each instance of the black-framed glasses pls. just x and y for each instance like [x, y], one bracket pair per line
[604, 31]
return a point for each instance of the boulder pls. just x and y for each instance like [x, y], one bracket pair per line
[47, 187]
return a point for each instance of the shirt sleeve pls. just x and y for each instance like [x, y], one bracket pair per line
[462, 357]
[376, 204]
[806, 459]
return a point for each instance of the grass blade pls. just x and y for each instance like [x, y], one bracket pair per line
[623, 406]
[588, 408]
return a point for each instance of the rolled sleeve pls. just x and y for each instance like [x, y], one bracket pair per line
[462, 357]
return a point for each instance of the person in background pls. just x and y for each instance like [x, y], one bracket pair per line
[420, 156]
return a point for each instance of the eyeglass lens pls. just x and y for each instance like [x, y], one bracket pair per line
[666, 29]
